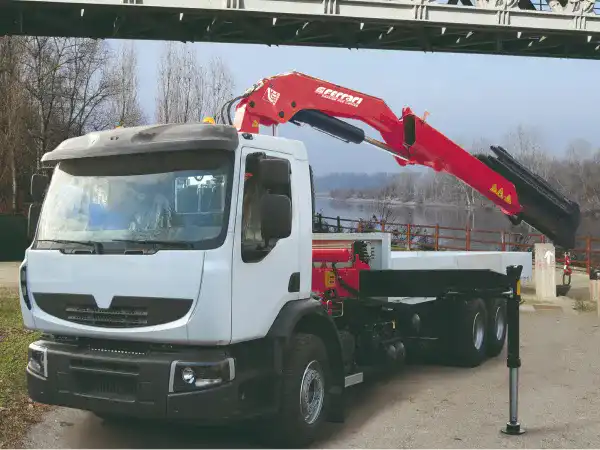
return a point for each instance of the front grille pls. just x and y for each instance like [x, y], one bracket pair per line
[124, 312]
[119, 317]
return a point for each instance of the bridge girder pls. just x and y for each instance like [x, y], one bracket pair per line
[570, 29]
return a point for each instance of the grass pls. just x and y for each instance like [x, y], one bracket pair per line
[17, 412]
[582, 305]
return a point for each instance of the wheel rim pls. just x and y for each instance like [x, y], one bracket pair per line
[499, 323]
[478, 331]
[312, 392]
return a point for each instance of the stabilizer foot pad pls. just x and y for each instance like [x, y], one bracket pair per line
[513, 429]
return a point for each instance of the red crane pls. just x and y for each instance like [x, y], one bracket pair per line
[299, 98]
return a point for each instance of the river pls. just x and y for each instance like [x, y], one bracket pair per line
[444, 216]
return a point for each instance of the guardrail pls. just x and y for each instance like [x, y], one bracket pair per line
[406, 236]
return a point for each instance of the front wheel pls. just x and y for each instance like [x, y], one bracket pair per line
[304, 397]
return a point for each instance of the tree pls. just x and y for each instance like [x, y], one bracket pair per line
[89, 88]
[525, 144]
[52, 89]
[12, 122]
[44, 77]
[68, 83]
[218, 87]
[187, 90]
[124, 106]
[382, 206]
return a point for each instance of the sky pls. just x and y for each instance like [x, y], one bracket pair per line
[468, 97]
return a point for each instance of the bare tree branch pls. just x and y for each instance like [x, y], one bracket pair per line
[124, 107]
[187, 90]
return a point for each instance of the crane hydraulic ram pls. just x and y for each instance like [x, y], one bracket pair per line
[301, 99]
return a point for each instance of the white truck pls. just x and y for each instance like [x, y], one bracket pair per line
[174, 274]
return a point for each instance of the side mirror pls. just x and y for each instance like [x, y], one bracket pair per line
[274, 173]
[276, 216]
[39, 183]
[32, 219]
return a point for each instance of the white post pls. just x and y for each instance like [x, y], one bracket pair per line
[545, 272]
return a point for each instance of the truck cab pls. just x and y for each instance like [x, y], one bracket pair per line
[163, 242]
[161, 257]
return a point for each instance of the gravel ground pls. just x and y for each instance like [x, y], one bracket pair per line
[423, 407]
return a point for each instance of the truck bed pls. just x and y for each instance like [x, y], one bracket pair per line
[383, 258]
[420, 276]
[496, 261]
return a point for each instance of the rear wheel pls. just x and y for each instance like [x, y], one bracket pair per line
[496, 327]
[469, 340]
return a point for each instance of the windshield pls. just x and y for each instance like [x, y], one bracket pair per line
[179, 198]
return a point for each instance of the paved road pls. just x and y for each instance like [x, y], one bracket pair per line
[9, 274]
[424, 407]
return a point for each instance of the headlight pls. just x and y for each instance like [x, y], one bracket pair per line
[37, 361]
[188, 375]
[192, 376]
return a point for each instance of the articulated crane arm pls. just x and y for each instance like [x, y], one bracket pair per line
[299, 98]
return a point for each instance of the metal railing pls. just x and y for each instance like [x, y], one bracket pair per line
[406, 236]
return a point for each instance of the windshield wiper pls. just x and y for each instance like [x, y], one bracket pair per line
[97, 245]
[180, 244]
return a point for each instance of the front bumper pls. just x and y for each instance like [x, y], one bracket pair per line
[147, 384]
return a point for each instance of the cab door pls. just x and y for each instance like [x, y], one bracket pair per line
[262, 282]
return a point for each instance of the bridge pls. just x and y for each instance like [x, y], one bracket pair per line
[551, 28]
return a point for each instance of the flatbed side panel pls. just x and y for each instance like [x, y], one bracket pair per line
[430, 283]
[494, 261]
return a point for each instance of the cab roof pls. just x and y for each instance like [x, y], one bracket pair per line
[146, 139]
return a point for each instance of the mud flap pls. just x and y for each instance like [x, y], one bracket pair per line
[543, 207]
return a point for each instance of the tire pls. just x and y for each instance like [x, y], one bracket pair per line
[306, 369]
[469, 343]
[496, 327]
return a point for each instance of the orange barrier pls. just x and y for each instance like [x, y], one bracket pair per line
[435, 237]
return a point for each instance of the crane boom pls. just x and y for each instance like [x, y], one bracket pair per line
[299, 98]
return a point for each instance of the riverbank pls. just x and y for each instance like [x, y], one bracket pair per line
[400, 203]
[590, 213]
